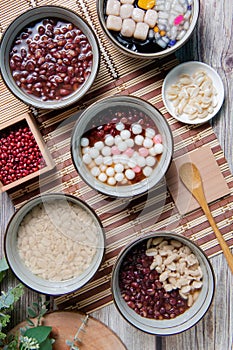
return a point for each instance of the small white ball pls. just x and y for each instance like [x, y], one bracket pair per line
[150, 161]
[130, 143]
[109, 140]
[117, 139]
[150, 133]
[110, 171]
[107, 160]
[148, 143]
[91, 165]
[122, 146]
[158, 148]
[119, 177]
[136, 129]
[130, 174]
[141, 161]
[87, 158]
[132, 163]
[94, 152]
[147, 171]
[102, 177]
[139, 140]
[152, 152]
[84, 142]
[99, 160]
[120, 126]
[95, 171]
[106, 151]
[85, 150]
[119, 168]
[103, 168]
[111, 181]
[99, 145]
[123, 159]
[125, 134]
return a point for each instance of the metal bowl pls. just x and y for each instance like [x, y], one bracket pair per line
[131, 47]
[32, 280]
[185, 320]
[92, 114]
[26, 19]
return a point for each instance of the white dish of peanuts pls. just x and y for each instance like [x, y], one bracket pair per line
[193, 92]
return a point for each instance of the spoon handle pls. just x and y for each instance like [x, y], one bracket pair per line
[200, 197]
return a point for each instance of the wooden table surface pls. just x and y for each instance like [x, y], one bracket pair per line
[211, 43]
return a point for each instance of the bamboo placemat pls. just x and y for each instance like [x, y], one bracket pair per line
[122, 220]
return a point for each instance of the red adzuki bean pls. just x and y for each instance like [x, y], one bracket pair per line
[19, 154]
[143, 292]
[56, 49]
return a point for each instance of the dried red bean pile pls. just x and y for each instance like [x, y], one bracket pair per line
[19, 154]
[51, 59]
[143, 292]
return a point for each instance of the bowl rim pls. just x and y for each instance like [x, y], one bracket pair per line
[67, 286]
[26, 18]
[103, 188]
[160, 54]
[149, 329]
[185, 66]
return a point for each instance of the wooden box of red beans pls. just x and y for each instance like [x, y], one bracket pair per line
[23, 153]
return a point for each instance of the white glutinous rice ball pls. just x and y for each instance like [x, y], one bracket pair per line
[85, 150]
[110, 171]
[158, 148]
[138, 14]
[117, 139]
[147, 171]
[141, 161]
[106, 151]
[113, 7]
[129, 174]
[111, 181]
[147, 143]
[139, 140]
[103, 168]
[120, 126]
[119, 168]
[150, 18]
[150, 161]
[126, 11]
[136, 129]
[150, 133]
[102, 177]
[125, 134]
[94, 152]
[114, 23]
[87, 159]
[119, 177]
[107, 160]
[128, 27]
[99, 145]
[84, 142]
[141, 31]
[109, 140]
[95, 171]
[130, 143]
[99, 160]
[122, 146]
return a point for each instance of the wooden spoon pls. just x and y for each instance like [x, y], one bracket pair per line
[191, 178]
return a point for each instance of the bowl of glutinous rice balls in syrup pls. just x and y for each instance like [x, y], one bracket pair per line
[49, 57]
[162, 283]
[148, 28]
[121, 146]
[54, 243]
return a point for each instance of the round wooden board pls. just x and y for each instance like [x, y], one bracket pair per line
[97, 336]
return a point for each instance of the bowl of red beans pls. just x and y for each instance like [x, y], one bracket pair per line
[162, 283]
[49, 57]
[148, 28]
[121, 146]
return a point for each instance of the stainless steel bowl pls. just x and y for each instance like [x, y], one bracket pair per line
[101, 107]
[24, 20]
[25, 274]
[185, 320]
[130, 48]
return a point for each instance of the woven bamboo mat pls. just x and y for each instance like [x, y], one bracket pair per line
[123, 220]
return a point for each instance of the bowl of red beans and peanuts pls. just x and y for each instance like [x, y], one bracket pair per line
[162, 283]
[49, 57]
[121, 146]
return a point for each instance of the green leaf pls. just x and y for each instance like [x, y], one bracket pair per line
[40, 333]
[31, 312]
[46, 345]
[3, 265]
